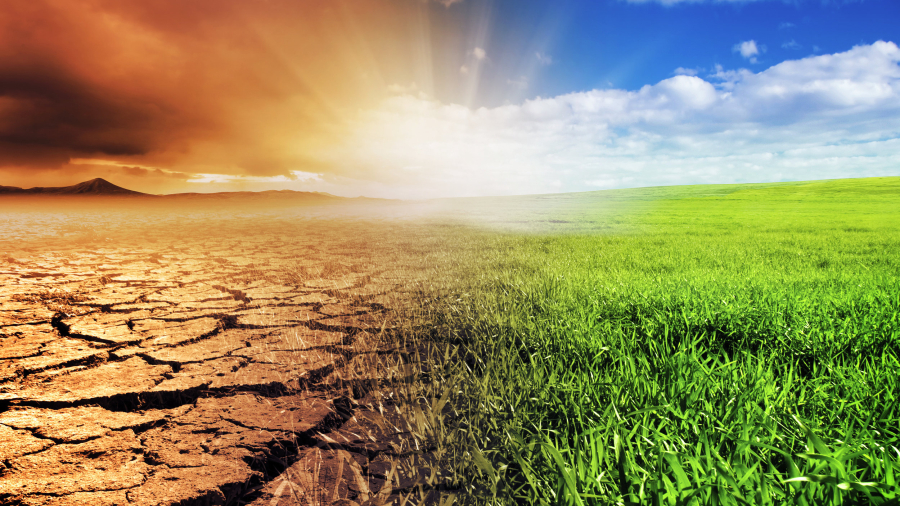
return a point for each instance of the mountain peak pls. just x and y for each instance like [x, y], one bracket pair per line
[96, 186]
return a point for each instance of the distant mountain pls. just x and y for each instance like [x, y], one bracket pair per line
[96, 186]
[102, 187]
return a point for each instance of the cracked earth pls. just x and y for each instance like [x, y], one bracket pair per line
[174, 363]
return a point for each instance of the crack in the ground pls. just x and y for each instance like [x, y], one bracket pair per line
[267, 461]
[57, 323]
[235, 294]
[90, 361]
[107, 342]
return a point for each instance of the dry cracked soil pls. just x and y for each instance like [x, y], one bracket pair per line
[220, 358]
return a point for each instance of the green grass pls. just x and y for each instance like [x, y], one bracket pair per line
[687, 345]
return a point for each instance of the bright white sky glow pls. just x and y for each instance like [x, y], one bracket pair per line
[814, 118]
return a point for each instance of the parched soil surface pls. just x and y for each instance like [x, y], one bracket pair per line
[234, 367]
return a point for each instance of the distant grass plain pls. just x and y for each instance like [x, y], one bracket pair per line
[734, 344]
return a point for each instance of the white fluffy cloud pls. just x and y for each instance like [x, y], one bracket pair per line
[825, 116]
[681, 71]
[749, 50]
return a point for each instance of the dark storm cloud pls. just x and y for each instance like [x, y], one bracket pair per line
[52, 114]
[238, 87]
[68, 88]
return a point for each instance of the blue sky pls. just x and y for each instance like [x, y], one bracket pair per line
[643, 44]
[620, 44]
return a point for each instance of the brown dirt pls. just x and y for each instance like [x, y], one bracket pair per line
[201, 368]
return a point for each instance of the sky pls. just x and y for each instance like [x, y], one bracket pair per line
[442, 98]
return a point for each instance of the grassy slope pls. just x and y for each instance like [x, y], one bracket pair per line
[706, 342]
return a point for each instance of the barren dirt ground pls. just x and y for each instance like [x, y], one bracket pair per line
[160, 358]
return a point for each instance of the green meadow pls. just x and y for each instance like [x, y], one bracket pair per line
[732, 344]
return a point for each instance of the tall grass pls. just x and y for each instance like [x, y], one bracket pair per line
[742, 348]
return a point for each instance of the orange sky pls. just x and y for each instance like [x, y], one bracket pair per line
[151, 94]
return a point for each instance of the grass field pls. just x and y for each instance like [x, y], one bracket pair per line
[731, 344]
